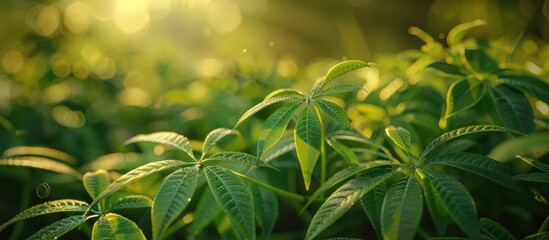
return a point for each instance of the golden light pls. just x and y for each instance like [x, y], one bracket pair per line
[13, 61]
[286, 68]
[60, 65]
[209, 67]
[134, 97]
[45, 20]
[224, 16]
[131, 16]
[80, 70]
[542, 107]
[57, 92]
[64, 116]
[77, 18]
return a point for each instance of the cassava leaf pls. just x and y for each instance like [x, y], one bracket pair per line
[477, 164]
[456, 200]
[41, 163]
[59, 228]
[265, 104]
[343, 150]
[207, 209]
[527, 84]
[402, 209]
[339, 202]
[274, 127]
[494, 230]
[463, 95]
[96, 182]
[337, 89]
[239, 158]
[537, 236]
[307, 138]
[40, 152]
[235, 198]
[113, 227]
[435, 206]
[265, 207]
[457, 33]
[284, 92]
[283, 146]
[372, 203]
[214, 137]
[462, 132]
[339, 69]
[131, 201]
[334, 112]
[400, 137]
[446, 68]
[537, 164]
[169, 138]
[513, 108]
[64, 205]
[532, 177]
[172, 198]
[476, 60]
[137, 174]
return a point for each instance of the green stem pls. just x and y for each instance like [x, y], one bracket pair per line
[544, 226]
[282, 193]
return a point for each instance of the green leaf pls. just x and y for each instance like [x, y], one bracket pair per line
[239, 158]
[41, 152]
[527, 84]
[283, 146]
[477, 164]
[476, 60]
[457, 33]
[265, 104]
[456, 200]
[96, 182]
[284, 92]
[372, 202]
[532, 177]
[131, 201]
[59, 228]
[495, 230]
[213, 137]
[337, 89]
[339, 202]
[172, 198]
[169, 138]
[463, 95]
[307, 138]
[399, 136]
[446, 68]
[137, 174]
[206, 211]
[435, 207]
[343, 150]
[334, 112]
[355, 137]
[513, 108]
[402, 209]
[274, 127]
[537, 236]
[339, 70]
[65, 205]
[235, 198]
[265, 208]
[462, 132]
[524, 145]
[537, 164]
[40, 163]
[345, 174]
[113, 227]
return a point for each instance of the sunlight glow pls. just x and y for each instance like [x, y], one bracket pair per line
[77, 18]
[131, 16]
[224, 16]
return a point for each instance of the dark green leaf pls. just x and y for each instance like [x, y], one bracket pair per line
[96, 182]
[337, 89]
[274, 127]
[537, 164]
[537, 236]
[400, 137]
[131, 201]
[113, 227]
[334, 112]
[532, 177]
[264, 104]
[527, 84]
[513, 108]
[495, 230]
[206, 211]
[463, 95]
[265, 208]
[435, 206]
[372, 203]
[476, 60]
[402, 209]
[446, 68]
[307, 138]
[59, 228]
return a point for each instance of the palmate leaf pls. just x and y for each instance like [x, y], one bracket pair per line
[274, 127]
[113, 227]
[59, 228]
[343, 150]
[477, 164]
[532, 177]
[494, 230]
[137, 174]
[463, 95]
[339, 202]
[457, 33]
[265, 206]
[207, 209]
[527, 84]
[96, 182]
[537, 164]
[214, 137]
[169, 138]
[372, 203]
[339, 70]
[476, 60]
[402, 209]
[238, 158]
[436, 208]
[283, 146]
[334, 112]
[337, 89]
[235, 198]
[400, 137]
[41, 163]
[65, 205]
[341, 176]
[284, 92]
[265, 104]
[462, 132]
[172, 198]
[307, 138]
[41, 152]
[131, 201]
[446, 68]
[513, 108]
[456, 200]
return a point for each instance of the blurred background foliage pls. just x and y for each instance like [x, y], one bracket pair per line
[84, 76]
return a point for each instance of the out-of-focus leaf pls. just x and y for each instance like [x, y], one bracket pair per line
[527, 84]
[41, 163]
[457, 33]
[169, 138]
[446, 68]
[41, 152]
[495, 230]
[513, 108]
[463, 95]
[524, 146]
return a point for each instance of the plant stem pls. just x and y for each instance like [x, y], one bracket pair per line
[282, 193]
[545, 225]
